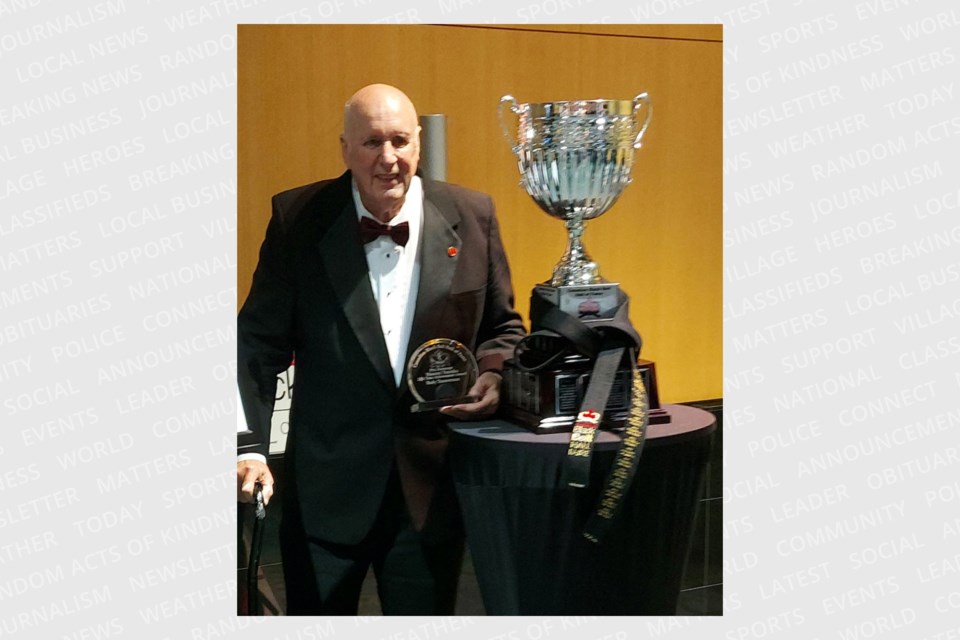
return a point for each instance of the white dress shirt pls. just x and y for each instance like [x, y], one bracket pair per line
[394, 273]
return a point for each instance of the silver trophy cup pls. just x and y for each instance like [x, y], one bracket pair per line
[575, 159]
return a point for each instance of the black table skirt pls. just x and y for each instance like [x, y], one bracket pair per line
[524, 528]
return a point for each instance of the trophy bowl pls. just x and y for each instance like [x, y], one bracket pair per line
[575, 159]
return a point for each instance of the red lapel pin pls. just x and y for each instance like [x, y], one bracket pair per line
[452, 252]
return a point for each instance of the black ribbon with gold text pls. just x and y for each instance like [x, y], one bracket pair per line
[576, 468]
[556, 334]
[624, 466]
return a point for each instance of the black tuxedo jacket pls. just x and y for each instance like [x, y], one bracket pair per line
[349, 423]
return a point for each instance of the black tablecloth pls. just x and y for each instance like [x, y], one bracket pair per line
[524, 527]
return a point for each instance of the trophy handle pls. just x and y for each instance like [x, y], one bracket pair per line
[503, 125]
[641, 100]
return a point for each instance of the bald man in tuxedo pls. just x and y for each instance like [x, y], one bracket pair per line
[354, 274]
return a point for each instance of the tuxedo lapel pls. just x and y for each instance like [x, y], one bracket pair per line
[346, 266]
[437, 266]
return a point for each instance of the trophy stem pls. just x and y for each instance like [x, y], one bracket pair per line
[575, 267]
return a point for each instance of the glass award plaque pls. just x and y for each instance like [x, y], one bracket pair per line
[440, 373]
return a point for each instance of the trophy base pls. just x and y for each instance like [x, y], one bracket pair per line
[548, 401]
[435, 405]
[612, 421]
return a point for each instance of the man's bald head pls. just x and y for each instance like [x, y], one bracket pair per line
[380, 145]
[374, 98]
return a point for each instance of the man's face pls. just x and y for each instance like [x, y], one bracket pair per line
[381, 147]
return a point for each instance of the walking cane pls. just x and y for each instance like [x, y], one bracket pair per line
[246, 441]
[256, 542]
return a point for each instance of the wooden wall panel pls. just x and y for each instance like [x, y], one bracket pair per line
[661, 241]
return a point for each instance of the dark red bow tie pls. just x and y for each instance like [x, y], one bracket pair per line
[370, 230]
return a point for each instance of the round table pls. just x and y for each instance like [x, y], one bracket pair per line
[524, 526]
